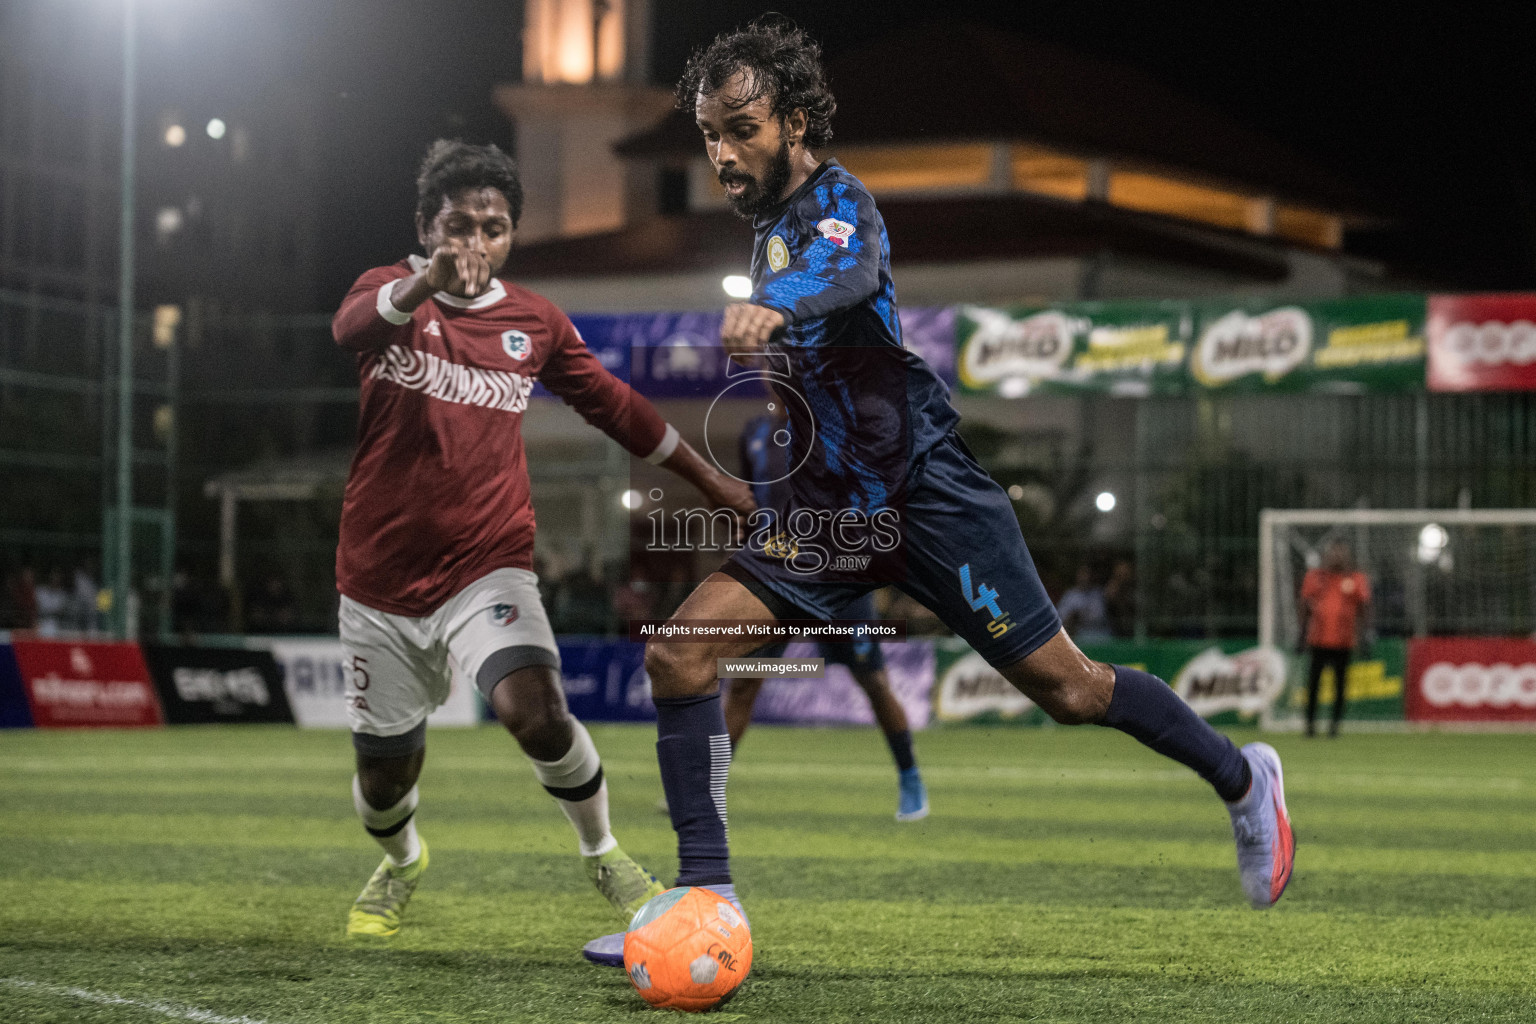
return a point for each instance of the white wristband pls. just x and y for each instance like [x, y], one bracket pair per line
[666, 447]
[387, 309]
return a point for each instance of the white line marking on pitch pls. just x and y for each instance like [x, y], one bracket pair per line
[191, 1013]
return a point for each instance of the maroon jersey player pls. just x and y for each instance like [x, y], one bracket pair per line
[436, 554]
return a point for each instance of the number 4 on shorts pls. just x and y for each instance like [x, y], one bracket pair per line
[984, 597]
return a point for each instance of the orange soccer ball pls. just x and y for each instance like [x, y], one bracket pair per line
[687, 949]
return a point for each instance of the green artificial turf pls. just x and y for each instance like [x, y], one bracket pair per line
[1065, 875]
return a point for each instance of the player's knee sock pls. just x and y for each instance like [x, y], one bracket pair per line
[1145, 707]
[393, 828]
[694, 751]
[576, 783]
[901, 749]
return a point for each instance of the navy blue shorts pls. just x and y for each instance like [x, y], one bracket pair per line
[856, 654]
[963, 557]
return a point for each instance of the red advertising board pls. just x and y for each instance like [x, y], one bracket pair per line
[86, 684]
[1471, 679]
[1482, 342]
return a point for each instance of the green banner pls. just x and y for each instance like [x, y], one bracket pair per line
[1353, 345]
[1228, 682]
[1373, 689]
[1118, 348]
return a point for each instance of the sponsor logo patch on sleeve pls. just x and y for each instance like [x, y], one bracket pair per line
[835, 231]
[778, 254]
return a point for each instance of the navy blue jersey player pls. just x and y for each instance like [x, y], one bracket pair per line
[876, 456]
[765, 466]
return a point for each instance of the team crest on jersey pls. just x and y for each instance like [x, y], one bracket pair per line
[835, 231]
[778, 253]
[781, 545]
[517, 344]
[503, 614]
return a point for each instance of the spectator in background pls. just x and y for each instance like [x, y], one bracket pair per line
[21, 599]
[84, 600]
[1083, 612]
[199, 604]
[585, 606]
[271, 607]
[1120, 599]
[1335, 604]
[52, 602]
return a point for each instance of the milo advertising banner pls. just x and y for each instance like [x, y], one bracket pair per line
[1373, 687]
[1354, 345]
[1227, 682]
[968, 690]
[1117, 348]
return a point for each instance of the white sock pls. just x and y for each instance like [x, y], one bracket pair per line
[576, 771]
[402, 846]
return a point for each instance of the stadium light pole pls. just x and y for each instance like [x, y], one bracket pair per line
[125, 279]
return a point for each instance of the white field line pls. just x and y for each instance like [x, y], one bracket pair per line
[191, 1013]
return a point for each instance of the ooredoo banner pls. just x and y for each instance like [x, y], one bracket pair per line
[1482, 342]
[71, 685]
[1471, 679]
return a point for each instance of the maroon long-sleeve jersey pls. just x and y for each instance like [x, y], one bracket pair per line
[438, 492]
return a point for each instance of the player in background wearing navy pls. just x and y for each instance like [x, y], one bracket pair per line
[765, 467]
[879, 433]
[435, 559]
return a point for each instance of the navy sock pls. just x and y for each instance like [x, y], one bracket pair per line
[1146, 708]
[694, 751]
[901, 749]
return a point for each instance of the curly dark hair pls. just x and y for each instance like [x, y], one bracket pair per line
[781, 61]
[452, 165]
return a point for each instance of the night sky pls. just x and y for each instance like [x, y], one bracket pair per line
[1431, 113]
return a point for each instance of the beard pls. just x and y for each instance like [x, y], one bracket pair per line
[757, 196]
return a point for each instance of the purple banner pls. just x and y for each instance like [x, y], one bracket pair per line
[678, 355]
[605, 681]
[15, 712]
[930, 332]
[838, 700]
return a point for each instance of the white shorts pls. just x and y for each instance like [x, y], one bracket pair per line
[399, 669]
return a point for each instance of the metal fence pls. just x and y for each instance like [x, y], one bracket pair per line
[1190, 475]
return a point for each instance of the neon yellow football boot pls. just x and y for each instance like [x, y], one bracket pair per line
[377, 911]
[622, 881]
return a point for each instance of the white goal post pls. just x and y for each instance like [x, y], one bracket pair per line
[1442, 570]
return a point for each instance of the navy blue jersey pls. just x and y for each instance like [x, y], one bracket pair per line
[875, 431]
[872, 408]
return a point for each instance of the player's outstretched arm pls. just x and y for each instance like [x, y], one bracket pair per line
[839, 269]
[615, 408]
[381, 303]
[746, 328]
[721, 490]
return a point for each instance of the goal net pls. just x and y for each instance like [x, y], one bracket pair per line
[1467, 572]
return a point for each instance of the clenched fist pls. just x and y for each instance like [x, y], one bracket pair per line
[459, 271]
[747, 328]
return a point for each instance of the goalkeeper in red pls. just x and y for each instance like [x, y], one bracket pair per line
[436, 554]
